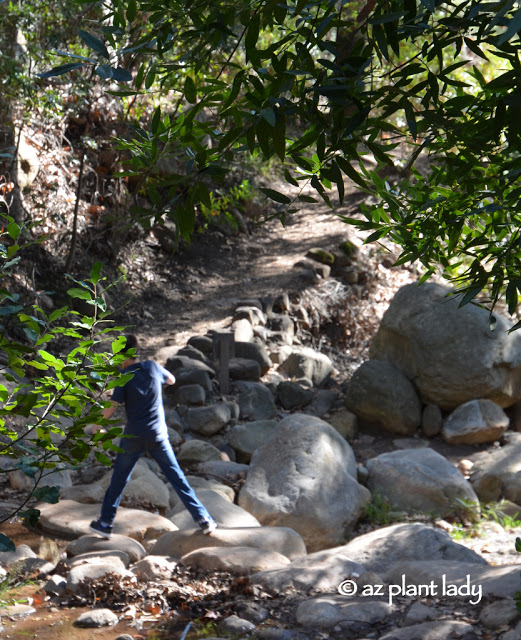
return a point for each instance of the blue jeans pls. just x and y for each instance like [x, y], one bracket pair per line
[163, 454]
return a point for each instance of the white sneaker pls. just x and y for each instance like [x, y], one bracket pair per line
[207, 526]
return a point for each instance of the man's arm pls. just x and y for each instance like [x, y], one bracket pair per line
[170, 379]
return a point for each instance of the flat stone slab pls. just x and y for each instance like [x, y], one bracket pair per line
[133, 549]
[280, 539]
[323, 570]
[462, 580]
[328, 610]
[240, 561]
[69, 519]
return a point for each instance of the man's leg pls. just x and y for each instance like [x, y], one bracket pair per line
[123, 468]
[164, 456]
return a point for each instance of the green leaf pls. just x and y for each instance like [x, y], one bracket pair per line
[119, 74]
[47, 494]
[156, 119]
[104, 71]
[94, 43]
[6, 544]
[252, 35]
[190, 90]
[30, 516]
[80, 293]
[269, 115]
[514, 26]
[13, 230]
[61, 69]
[95, 272]
[275, 195]
[131, 10]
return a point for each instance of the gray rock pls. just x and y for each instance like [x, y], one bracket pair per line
[254, 351]
[474, 581]
[189, 376]
[475, 422]
[133, 549]
[282, 540]
[292, 395]
[419, 613]
[252, 611]
[234, 624]
[499, 473]
[177, 364]
[439, 630]
[192, 352]
[379, 393]
[329, 610]
[224, 512]
[173, 421]
[145, 487]
[432, 420]
[381, 549]
[202, 343]
[307, 363]
[68, 519]
[251, 313]
[322, 570]
[246, 438]
[190, 394]
[88, 494]
[208, 420]
[100, 557]
[345, 422]
[236, 560]
[224, 470]
[174, 437]
[196, 451]
[154, 568]
[22, 551]
[80, 576]
[421, 480]
[244, 369]
[242, 330]
[291, 484]
[256, 402]
[500, 613]
[55, 585]
[322, 403]
[97, 618]
[283, 326]
[449, 353]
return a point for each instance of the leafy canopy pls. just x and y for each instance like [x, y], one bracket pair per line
[322, 84]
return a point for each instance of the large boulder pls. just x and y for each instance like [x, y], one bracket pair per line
[280, 539]
[378, 392]
[224, 512]
[475, 422]
[304, 477]
[421, 480]
[145, 487]
[499, 473]
[236, 560]
[381, 549]
[68, 519]
[449, 353]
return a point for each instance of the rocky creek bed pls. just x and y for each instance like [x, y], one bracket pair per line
[401, 399]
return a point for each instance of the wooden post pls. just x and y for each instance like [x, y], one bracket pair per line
[223, 351]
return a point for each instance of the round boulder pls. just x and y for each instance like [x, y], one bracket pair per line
[449, 352]
[303, 477]
[379, 393]
[421, 480]
[475, 422]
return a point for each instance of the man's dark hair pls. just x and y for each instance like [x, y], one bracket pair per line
[131, 343]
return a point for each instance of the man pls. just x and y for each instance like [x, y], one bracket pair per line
[146, 426]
